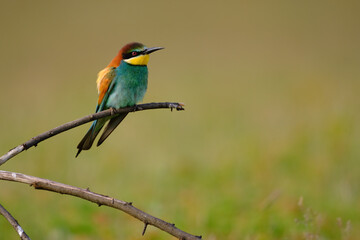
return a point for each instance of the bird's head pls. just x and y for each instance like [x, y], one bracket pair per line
[136, 53]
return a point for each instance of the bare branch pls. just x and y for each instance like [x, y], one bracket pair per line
[35, 140]
[127, 207]
[14, 223]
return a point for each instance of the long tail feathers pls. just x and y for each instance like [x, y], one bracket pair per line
[89, 138]
[94, 130]
[113, 123]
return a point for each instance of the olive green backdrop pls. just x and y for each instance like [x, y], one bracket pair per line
[268, 147]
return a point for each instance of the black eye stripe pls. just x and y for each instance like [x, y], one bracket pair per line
[132, 54]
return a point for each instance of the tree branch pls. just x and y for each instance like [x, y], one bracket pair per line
[35, 140]
[127, 207]
[14, 223]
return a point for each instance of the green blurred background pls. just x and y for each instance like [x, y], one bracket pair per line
[268, 147]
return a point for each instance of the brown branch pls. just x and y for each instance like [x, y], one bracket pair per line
[35, 140]
[127, 207]
[14, 223]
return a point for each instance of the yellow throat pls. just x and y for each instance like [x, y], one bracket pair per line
[138, 60]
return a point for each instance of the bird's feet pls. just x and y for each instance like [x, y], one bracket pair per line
[112, 111]
[137, 108]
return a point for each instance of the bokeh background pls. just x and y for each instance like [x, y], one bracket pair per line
[268, 147]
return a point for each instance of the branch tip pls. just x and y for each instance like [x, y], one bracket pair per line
[180, 106]
[145, 226]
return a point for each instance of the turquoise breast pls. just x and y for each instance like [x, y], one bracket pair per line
[129, 87]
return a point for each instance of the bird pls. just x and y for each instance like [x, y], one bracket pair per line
[122, 83]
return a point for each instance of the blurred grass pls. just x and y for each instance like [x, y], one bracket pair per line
[266, 149]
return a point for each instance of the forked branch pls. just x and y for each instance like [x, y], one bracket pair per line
[127, 207]
[35, 140]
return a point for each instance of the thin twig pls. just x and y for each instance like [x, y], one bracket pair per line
[144, 230]
[127, 207]
[35, 140]
[14, 223]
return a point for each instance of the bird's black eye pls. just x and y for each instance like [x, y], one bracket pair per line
[134, 53]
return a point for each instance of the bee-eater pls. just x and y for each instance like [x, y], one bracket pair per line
[122, 83]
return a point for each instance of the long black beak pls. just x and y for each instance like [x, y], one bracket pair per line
[150, 50]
